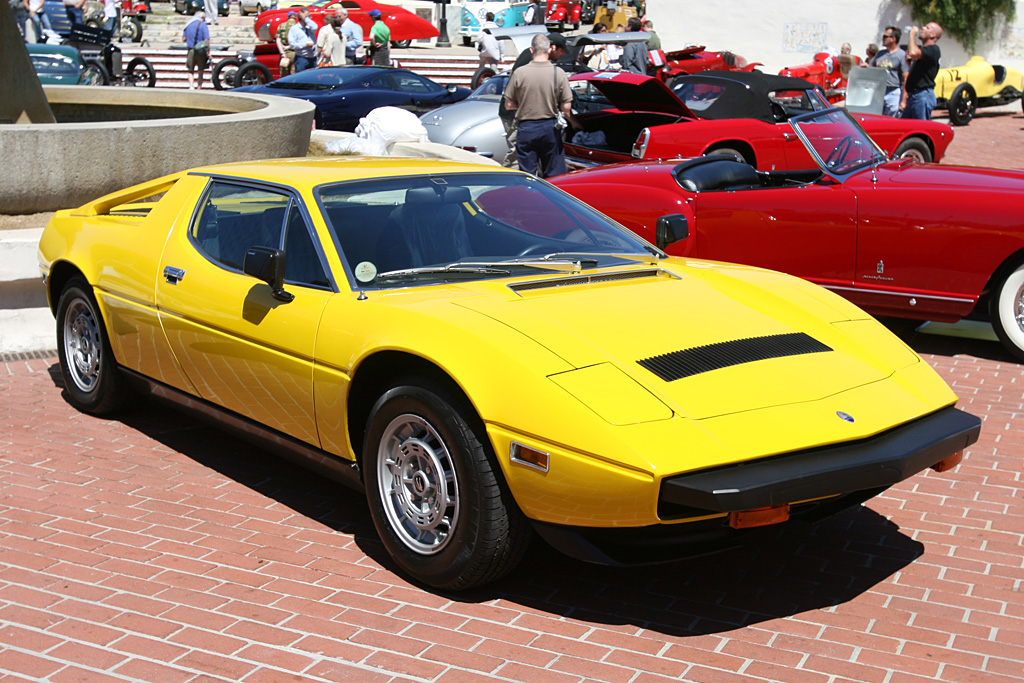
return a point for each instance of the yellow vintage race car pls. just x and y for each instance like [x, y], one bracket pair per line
[962, 89]
[489, 359]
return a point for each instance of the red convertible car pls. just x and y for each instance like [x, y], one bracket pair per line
[735, 113]
[405, 26]
[896, 237]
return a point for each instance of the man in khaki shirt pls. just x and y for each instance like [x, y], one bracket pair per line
[538, 92]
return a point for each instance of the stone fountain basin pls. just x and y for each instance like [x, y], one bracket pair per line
[110, 138]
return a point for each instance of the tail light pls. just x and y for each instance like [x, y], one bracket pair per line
[640, 146]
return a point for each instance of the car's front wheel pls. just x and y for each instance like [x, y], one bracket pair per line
[962, 104]
[435, 493]
[252, 73]
[91, 376]
[224, 73]
[914, 148]
[1007, 312]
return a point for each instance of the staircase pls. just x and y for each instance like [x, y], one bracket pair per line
[162, 46]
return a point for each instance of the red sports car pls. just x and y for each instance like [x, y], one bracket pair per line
[828, 72]
[896, 237]
[744, 115]
[405, 26]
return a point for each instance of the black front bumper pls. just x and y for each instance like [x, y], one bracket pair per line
[834, 477]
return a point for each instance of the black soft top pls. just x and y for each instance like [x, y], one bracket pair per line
[745, 94]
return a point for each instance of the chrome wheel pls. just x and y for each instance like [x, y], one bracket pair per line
[418, 484]
[1007, 309]
[83, 346]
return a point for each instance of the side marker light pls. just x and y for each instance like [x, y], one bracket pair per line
[949, 463]
[746, 519]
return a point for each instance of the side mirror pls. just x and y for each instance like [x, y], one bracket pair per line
[267, 264]
[671, 229]
[452, 88]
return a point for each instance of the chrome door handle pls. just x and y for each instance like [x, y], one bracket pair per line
[789, 136]
[173, 275]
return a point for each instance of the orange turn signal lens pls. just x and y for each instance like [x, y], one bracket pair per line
[949, 463]
[746, 519]
[531, 457]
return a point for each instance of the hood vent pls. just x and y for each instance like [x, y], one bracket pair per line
[585, 280]
[701, 359]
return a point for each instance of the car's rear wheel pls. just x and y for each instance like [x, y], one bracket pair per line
[962, 105]
[1007, 311]
[914, 148]
[224, 73]
[141, 73]
[435, 492]
[401, 44]
[730, 152]
[91, 376]
[481, 75]
[95, 73]
[252, 73]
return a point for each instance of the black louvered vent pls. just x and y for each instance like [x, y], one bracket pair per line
[689, 362]
[584, 280]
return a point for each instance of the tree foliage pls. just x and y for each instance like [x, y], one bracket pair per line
[965, 20]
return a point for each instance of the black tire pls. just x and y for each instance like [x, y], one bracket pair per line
[730, 152]
[252, 73]
[401, 44]
[914, 148]
[225, 73]
[140, 73]
[91, 376]
[132, 29]
[481, 75]
[962, 104]
[1007, 311]
[96, 73]
[474, 532]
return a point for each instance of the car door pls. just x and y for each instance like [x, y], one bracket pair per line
[809, 231]
[242, 347]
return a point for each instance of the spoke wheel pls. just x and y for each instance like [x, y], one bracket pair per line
[140, 73]
[225, 73]
[962, 104]
[87, 363]
[435, 492]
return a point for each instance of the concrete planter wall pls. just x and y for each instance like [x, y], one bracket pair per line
[109, 138]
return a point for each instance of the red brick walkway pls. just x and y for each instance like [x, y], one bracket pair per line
[156, 549]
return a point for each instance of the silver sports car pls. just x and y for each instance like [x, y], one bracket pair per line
[472, 124]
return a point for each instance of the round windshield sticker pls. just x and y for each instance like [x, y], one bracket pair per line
[366, 271]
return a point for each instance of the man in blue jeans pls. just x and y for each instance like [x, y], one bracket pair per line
[919, 95]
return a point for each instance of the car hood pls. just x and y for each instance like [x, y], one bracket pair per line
[634, 92]
[961, 177]
[457, 118]
[679, 314]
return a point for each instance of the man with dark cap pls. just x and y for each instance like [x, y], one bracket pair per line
[540, 95]
[287, 64]
[508, 116]
[380, 40]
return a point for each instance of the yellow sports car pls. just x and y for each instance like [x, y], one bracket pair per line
[962, 89]
[489, 357]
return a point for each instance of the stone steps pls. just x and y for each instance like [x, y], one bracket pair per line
[170, 65]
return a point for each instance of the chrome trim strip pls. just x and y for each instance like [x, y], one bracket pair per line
[864, 290]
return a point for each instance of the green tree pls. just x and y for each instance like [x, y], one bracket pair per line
[965, 20]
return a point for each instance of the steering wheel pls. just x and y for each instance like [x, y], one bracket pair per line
[837, 155]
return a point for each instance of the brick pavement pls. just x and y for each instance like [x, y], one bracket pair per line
[153, 548]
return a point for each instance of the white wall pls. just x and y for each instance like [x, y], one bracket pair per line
[783, 34]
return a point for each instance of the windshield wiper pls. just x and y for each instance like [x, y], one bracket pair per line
[461, 268]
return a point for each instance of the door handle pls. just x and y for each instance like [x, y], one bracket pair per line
[789, 136]
[173, 275]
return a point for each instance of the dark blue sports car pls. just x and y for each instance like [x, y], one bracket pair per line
[345, 94]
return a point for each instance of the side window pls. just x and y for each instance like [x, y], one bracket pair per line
[302, 263]
[383, 82]
[233, 218]
[409, 82]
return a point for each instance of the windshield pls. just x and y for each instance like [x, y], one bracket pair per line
[432, 229]
[837, 142]
[317, 79]
[491, 88]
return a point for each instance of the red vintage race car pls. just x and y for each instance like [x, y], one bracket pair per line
[744, 115]
[405, 26]
[694, 59]
[828, 72]
[896, 237]
[562, 12]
